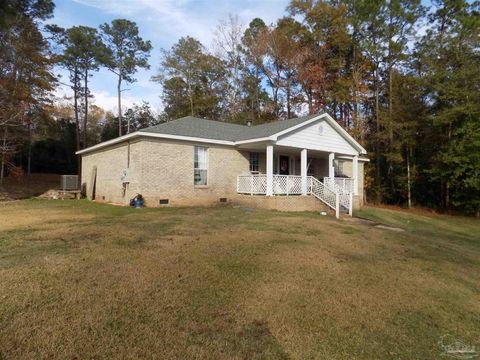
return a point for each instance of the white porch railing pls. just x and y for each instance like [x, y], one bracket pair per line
[324, 193]
[332, 196]
[252, 184]
[342, 185]
[345, 201]
[287, 185]
[256, 184]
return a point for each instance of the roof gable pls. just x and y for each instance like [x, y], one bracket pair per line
[317, 135]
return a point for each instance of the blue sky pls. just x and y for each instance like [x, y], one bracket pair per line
[162, 22]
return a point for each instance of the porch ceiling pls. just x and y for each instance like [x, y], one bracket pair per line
[285, 150]
[259, 146]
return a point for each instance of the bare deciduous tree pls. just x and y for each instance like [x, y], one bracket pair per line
[228, 47]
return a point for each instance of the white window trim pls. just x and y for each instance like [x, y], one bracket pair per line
[206, 166]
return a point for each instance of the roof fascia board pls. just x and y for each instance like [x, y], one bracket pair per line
[268, 138]
[153, 135]
[107, 143]
[345, 157]
[187, 138]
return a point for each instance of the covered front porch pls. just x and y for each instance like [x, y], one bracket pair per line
[287, 171]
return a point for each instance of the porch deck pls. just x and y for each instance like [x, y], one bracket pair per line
[337, 193]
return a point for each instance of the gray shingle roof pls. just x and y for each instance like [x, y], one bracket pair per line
[217, 130]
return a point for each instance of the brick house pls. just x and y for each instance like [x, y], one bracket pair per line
[305, 163]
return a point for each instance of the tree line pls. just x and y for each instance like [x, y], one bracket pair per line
[401, 77]
[33, 121]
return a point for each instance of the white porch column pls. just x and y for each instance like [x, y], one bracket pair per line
[269, 170]
[303, 170]
[355, 174]
[331, 167]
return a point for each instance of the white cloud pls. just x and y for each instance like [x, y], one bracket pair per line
[103, 88]
[109, 101]
[172, 19]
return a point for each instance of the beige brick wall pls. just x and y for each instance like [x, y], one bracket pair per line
[163, 169]
[282, 203]
[109, 163]
[168, 173]
[361, 182]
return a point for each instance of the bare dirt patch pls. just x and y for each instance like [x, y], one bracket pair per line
[26, 186]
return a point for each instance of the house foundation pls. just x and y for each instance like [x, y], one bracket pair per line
[282, 203]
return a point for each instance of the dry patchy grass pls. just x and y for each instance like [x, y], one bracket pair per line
[85, 280]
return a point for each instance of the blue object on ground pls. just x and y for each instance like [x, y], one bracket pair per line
[138, 203]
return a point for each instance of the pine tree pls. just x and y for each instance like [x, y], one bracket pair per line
[254, 97]
[128, 52]
[451, 55]
[84, 52]
[193, 81]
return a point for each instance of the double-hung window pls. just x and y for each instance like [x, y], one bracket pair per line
[254, 167]
[200, 165]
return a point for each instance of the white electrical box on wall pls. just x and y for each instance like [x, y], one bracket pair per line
[124, 177]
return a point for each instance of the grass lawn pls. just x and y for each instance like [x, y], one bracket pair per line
[83, 280]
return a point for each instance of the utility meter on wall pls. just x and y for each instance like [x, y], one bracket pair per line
[124, 176]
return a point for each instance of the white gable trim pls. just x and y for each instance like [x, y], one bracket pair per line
[336, 126]
[308, 137]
